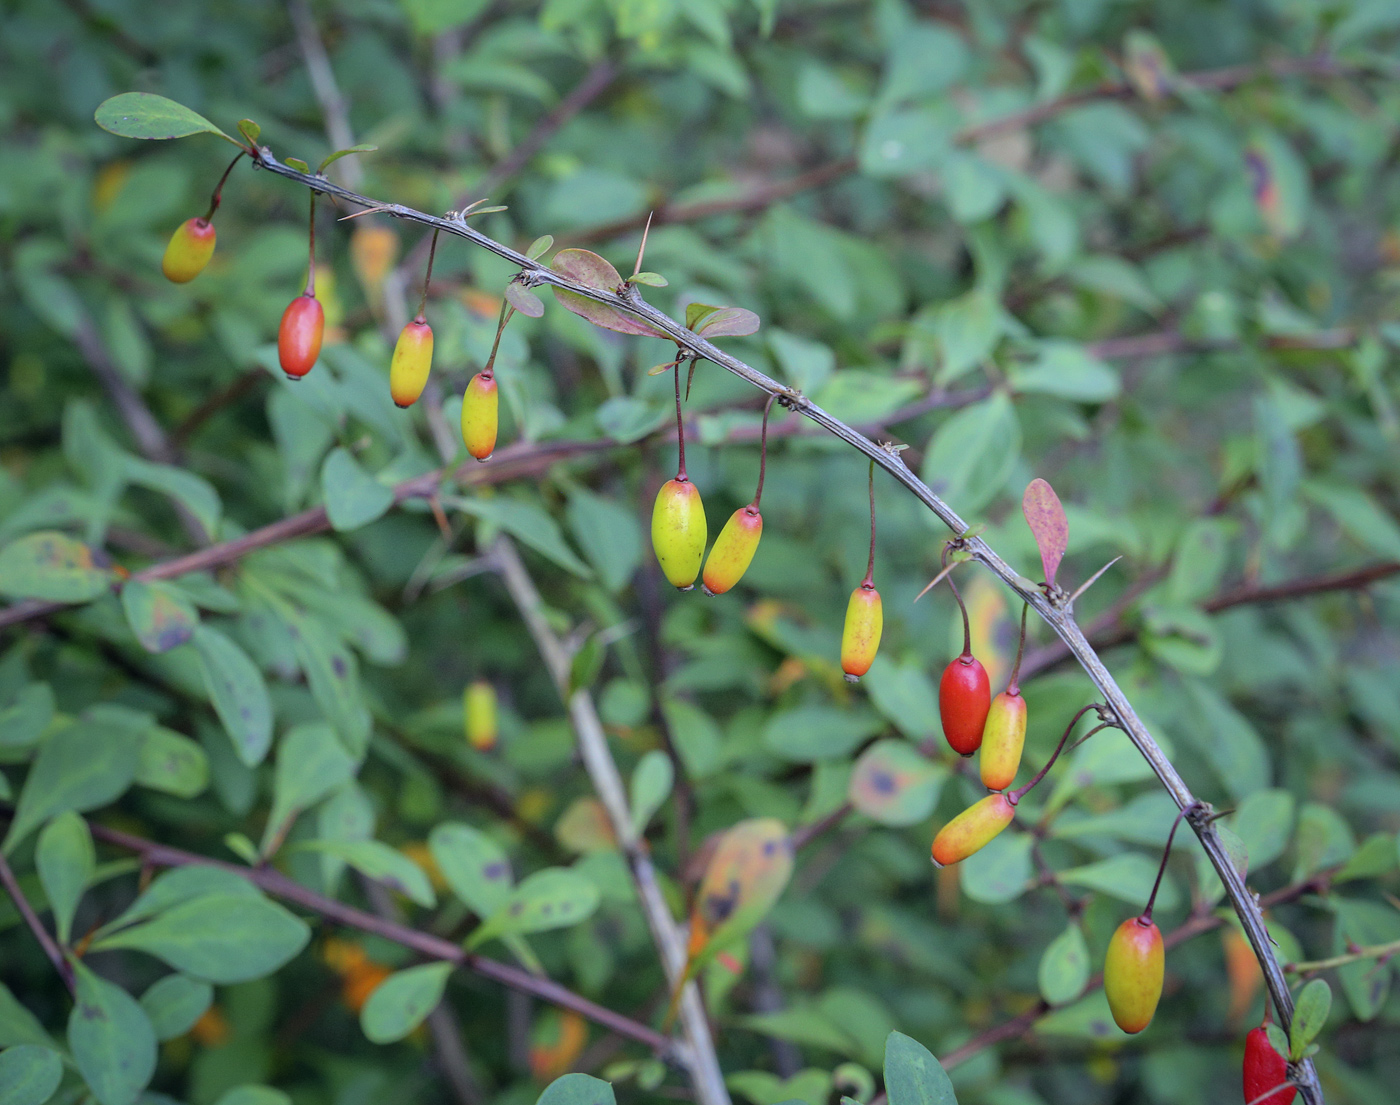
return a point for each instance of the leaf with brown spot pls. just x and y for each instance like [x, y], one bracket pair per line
[159, 614]
[53, 567]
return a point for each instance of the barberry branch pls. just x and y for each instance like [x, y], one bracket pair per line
[1057, 614]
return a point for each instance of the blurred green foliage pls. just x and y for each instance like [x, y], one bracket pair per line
[1148, 251]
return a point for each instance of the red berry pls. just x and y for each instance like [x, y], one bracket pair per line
[1265, 1069]
[299, 336]
[964, 697]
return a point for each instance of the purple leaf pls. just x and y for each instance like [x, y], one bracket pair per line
[728, 322]
[586, 267]
[1048, 523]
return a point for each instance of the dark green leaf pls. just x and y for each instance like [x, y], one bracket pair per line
[65, 858]
[1313, 1004]
[174, 1003]
[553, 898]
[402, 1001]
[578, 1089]
[111, 1039]
[237, 690]
[474, 865]
[24, 720]
[1064, 968]
[651, 786]
[353, 497]
[311, 763]
[913, 1076]
[376, 860]
[29, 1074]
[146, 115]
[171, 763]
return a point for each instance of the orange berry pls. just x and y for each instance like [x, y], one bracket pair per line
[972, 829]
[299, 336]
[733, 550]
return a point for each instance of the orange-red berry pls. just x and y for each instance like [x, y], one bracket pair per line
[299, 336]
[972, 830]
[1132, 973]
[964, 697]
[860, 638]
[733, 550]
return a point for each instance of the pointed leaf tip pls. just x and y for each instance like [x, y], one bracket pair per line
[1048, 523]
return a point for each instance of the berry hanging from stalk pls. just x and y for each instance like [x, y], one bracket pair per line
[737, 542]
[303, 322]
[981, 822]
[1004, 735]
[865, 617]
[678, 530]
[1265, 1070]
[192, 244]
[481, 402]
[479, 715]
[413, 353]
[964, 692]
[1136, 961]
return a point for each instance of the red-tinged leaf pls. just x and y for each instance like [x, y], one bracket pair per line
[159, 615]
[745, 876]
[1048, 523]
[728, 322]
[696, 312]
[586, 267]
[51, 566]
[524, 300]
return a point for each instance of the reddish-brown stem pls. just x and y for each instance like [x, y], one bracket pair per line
[427, 278]
[869, 581]
[41, 934]
[506, 311]
[680, 426]
[218, 195]
[763, 450]
[1014, 686]
[962, 607]
[1020, 792]
[1146, 917]
[311, 266]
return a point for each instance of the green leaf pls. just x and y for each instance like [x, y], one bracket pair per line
[172, 763]
[81, 767]
[1000, 872]
[531, 525]
[298, 164]
[53, 567]
[146, 115]
[29, 1074]
[174, 1003]
[254, 1095]
[1324, 840]
[578, 1089]
[913, 1076]
[967, 330]
[223, 938]
[540, 246]
[973, 454]
[553, 898]
[524, 300]
[17, 1024]
[811, 733]
[1309, 1015]
[237, 690]
[376, 860]
[1067, 371]
[474, 866]
[1264, 821]
[1127, 876]
[651, 280]
[311, 763]
[895, 785]
[183, 884]
[159, 614]
[353, 497]
[111, 1039]
[24, 720]
[403, 1001]
[904, 693]
[651, 786]
[65, 858]
[250, 131]
[609, 535]
[626, 419]
[1227, 739]
[197, 495]
[332, 158]
[1355, 511]
[1064, 968]
[333, 674]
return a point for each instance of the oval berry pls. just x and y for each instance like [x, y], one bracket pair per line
[964, 697]
[1133, 972]
[678, 531]
[413, 357]
[972, 829]
[188, 250]
[733, 550]
[480, 416]
[1003, 738]
[1264, 1070]
[299, 336]
[860, 639]
[479, 713]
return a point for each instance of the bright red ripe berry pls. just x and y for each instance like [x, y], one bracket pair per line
[964, 697]
[299, 336]
[1264, 1070]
